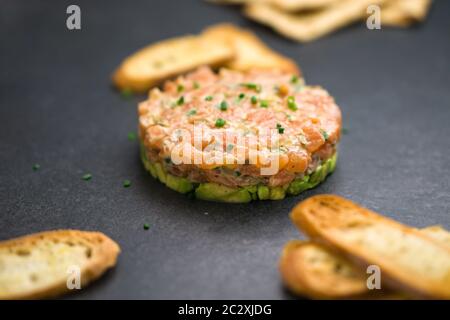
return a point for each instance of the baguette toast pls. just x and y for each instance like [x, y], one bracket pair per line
[251, 52]
[311, 269]
[169, 58]
[36, 266]
[410, 261]
[309, 26]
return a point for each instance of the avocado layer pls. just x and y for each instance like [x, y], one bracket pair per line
[216, 192]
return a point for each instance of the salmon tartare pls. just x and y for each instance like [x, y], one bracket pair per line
[236, 137]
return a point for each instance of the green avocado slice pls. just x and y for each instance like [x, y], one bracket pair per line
[263, 192]
[298, 186]
[179, 184]
[216, 192]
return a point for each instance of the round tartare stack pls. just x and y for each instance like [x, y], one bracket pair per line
[246, 123]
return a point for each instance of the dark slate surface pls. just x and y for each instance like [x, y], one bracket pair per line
[58, 110]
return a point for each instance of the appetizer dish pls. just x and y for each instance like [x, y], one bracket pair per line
[239, 136]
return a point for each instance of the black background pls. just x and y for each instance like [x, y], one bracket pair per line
[58, 110]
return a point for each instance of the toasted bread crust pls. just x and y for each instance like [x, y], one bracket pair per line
[251, 52]
[104, 252]
[312, 270]
[333, 221]
[309, 26]
[167, 59]
[324, 274]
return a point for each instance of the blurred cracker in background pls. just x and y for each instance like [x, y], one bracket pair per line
[307, 20]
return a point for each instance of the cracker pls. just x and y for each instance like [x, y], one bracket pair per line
[310, 25]
[409, 261]
[403, 13]
[166, 59]
[313, 270]
[251, 52]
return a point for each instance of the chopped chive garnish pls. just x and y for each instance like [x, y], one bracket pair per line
[131, 136]
[87, 177]
[126, 183]
[146, 226]
[241, 96]
[191, 112]
[220, 123]
[209, 98]
[180, 88]
[294, 79]
[230, 147]
[180, 101]
[196, 85]
[126, 93]
[223, 105]
[36, 166]
[254, 100]
[291, 103]
[252, 86]
[237, 173]
[324, 134]
[280, 128]
[264, 103]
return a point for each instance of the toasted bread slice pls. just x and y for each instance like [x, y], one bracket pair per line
[312, 270]
[437, 233]
[38, 265]
[169, 58]
[308, 26]
[409, 261]
[298, 5]
[251, 52]
[403, 13]
[309, 269]
[286, 5]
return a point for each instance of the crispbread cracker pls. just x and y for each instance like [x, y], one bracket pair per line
[287, 5]
[312, 25]
[38, 265]
[311, 269]
[251, 52]
[297, 5]
[168, 58]
[409, 260]
[437, 233]
[403, 13]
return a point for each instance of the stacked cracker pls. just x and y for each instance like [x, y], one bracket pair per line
[307, 20]
[222, 45]
[347, 238]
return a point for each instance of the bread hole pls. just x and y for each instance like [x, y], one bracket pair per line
[70, 243]
[23, 252]
[34, 277]
[88, 253]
